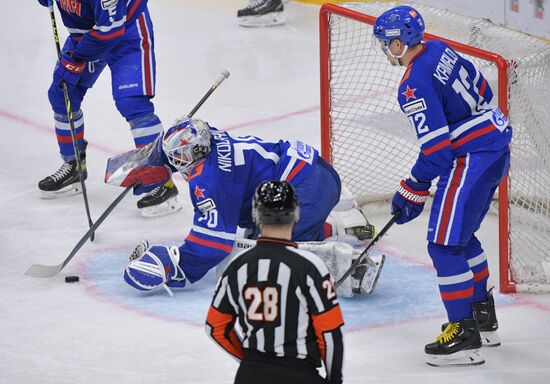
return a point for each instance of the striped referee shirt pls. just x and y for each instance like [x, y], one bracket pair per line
[285, 303]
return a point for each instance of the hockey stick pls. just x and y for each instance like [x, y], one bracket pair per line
[364, 254]
[223, 75]
[38, 270]
[71, 120]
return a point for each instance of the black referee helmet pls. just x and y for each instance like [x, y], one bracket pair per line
[275, 202]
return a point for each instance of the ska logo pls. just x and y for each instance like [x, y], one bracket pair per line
[71, 6]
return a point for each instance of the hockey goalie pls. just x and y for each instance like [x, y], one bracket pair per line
[223, 172]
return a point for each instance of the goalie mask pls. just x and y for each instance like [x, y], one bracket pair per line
[275, 202]
[186, 143]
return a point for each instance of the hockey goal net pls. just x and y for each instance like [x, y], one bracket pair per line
[371, 144]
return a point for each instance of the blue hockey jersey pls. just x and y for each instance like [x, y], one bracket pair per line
[447, 101]
[222, 186]
[97, 25]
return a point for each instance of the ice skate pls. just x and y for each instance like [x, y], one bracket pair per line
[65, 181]
[458, 345]
[486, 318]
[160, 202]
[261, 13]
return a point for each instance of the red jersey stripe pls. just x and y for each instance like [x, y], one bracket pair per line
[473, 135]
[481, 274]
[146, 56]
[457, 295]
[109, 36]
[209, 243]
[295, 171]
[132, 10]
[68, 139]
[448, 204]
[436, 147]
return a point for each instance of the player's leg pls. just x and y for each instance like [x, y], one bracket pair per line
[133, 71]
[493, 166]
[460, 341]
[317, 194]
[66, 180]
[483, 303]
[261, 13]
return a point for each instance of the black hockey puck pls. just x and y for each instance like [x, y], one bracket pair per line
[71, 279]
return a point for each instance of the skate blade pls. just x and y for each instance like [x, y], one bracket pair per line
[268, 20]
[169, 206]
[490, 339]
[69, 190]
[458, 359]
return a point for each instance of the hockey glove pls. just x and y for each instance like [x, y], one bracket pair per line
[409, 200]
[69, 69]
[150, 267]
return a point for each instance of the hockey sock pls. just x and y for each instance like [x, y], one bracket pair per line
[455, 279]
[63, 132]
[145, 129]
[478, 264]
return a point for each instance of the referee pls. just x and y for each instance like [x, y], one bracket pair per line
[284, 300]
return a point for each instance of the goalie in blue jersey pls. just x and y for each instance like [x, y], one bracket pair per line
[118, 34]
[464, 141]
[223, 172]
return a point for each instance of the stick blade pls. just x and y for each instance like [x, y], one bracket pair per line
[38, 270]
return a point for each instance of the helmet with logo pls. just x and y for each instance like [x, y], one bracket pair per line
[403, 23]
[186, 143]
[275, 202]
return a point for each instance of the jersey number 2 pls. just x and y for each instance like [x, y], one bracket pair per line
[269, 297]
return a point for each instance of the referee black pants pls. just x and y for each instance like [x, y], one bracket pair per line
[265, 372]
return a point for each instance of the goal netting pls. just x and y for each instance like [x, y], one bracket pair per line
[372, 145]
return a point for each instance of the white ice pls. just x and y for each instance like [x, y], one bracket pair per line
[99, 330]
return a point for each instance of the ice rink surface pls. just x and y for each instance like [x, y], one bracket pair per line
[99, 330]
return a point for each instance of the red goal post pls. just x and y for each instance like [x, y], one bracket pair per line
[361, 120]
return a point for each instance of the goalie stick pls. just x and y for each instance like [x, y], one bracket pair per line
[364, 254]
[71, 120]
[38, 270]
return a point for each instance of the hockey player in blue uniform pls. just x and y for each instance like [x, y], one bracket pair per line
[223, 172]
[464, 142]
[118, 34]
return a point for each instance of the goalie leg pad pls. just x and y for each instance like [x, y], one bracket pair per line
[346, 218]
[158, 265]
[366, 274]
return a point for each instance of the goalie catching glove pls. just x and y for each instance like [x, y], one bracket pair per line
[150, 267]
[409, 200]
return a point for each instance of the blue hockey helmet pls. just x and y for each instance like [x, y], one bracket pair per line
[187, 142]
[403, 23]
